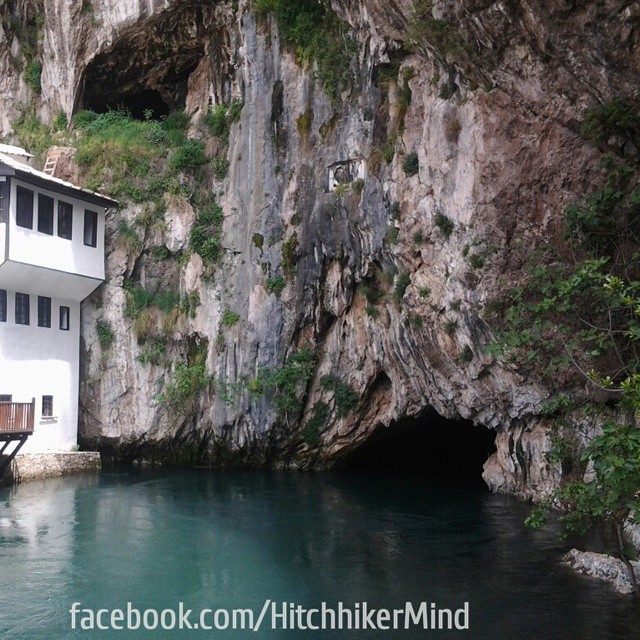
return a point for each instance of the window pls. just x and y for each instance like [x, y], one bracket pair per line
[65, 220]
[24, 208]
[5, 398]
[22, 308]
[64, 318]
[3, 305]
[44, 311]
[4, 198]
[90, 228]
[45, 214]
[47, 406]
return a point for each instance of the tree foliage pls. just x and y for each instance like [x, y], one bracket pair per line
[578, 309]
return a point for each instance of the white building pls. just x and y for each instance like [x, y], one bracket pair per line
[51, 258]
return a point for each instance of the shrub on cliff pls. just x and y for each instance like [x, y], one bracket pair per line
[318, 36]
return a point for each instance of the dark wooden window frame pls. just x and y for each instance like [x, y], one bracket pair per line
[44, 312]
[45, 214]
[65, 220]
[23, 308]
[90, 228]
[24, 209]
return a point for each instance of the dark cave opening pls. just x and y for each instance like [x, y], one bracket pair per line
[141, 105]
[147, 69]
[427, 445]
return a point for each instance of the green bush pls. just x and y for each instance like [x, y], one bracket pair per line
[221, 117]
[275, 285]
[317, 35]
[616, 117]
[220, 167]
[84, 118]
[60, 121]
[33, 75]
[451, 326]
[411, 164]
[476, 261]
[346, 398]
[229, 318]
[189, 155]
[403, 281]
[288, 383]
[139, 299]
[311, 434]
[205, 234]
[105, 334]
[186, 384]
[128, 240]
[445, 224]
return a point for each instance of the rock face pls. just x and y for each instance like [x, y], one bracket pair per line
[390, 280]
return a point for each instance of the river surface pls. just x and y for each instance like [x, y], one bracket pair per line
[234, 539]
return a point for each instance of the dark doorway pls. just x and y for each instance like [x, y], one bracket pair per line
[428, 445]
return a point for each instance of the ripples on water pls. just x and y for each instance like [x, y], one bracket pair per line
[233, 539]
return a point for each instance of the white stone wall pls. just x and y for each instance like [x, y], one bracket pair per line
[29, 246]
[37, 361]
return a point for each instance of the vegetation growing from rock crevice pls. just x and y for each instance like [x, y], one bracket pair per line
[287, 384]
[188, 381]
[345, 397]
[105, 333]
[424, 31]
[317, 36]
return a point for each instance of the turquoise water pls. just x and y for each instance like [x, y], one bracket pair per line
[232, 539]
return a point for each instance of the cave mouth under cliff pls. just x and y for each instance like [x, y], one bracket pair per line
[142, 105]
[427, 445]
[148, 67]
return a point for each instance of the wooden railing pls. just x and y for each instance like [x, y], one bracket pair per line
[17, 417]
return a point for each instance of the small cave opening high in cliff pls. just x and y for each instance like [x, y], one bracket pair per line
[427, 445]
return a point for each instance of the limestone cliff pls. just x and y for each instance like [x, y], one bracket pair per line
[454, 147]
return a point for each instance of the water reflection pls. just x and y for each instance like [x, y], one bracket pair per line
[233, 539]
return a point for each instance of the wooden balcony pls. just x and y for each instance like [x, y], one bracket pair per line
[16, 419]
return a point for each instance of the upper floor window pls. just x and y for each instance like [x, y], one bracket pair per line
[4, 199]
[90, 228]
[22, 308]
[4, 397]
[65, 220]
[45, 214]
[44, 311]
[3, 305]
[65, 312]
[24, 207]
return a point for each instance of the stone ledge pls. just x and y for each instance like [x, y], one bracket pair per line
[35, 466]
[603, 567]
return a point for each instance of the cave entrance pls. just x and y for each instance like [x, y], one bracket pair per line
[427, 445]
[147, 68]
[139, 105]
